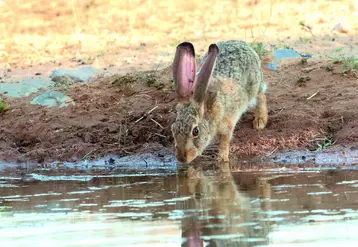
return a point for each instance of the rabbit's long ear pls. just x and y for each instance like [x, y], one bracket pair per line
[203, 77]
[184, 70]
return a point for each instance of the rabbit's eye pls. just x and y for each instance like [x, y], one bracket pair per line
[196, 131]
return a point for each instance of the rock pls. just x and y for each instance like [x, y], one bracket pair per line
[281, 54]
[302, 81]
[308, 69]
[78, 75]
[52, 99]
[25, 87]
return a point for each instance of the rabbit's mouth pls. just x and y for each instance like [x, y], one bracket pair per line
[187, 156]
[185, 160]
[181, 159]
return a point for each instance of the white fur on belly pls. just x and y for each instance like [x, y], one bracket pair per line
[252, 102]
[264, 87]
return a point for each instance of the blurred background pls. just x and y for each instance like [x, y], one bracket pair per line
[35, 31]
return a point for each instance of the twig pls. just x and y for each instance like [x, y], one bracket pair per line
[270, 153]
[279, 112]
[146, 114]
[84, 157]
[74, 16]
[268, 21]
[141, 95]
[157, 123]
[127, 152]
[139, 119]
[313, 95]
[155, 107]
[160, 135]
[307, 29]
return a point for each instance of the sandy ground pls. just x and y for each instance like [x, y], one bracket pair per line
[309, 105]
[35, 31]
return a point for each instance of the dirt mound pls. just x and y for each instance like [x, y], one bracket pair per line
[133, 113]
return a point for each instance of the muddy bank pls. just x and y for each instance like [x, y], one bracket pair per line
[310, 107]
[163, 163]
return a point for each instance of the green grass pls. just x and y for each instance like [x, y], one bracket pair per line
[305, 40]
[323, 143]
[151, 79]
[4, 207]
[260, 49]
[173, 84]
[349, 64]
[174, 44]
[339, 55]
[283, 46]
[3, 105]
[199, 59]
[306, 28]
[329, 68]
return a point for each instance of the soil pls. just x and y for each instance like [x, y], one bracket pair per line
[128, 113]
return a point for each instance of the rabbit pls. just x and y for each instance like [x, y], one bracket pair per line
[212, 100]
[219, 208]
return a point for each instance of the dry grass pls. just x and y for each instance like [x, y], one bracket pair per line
[36, 31]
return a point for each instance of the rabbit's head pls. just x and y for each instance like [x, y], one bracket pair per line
[190, 129]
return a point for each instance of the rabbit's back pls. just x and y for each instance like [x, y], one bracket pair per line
[237, 60]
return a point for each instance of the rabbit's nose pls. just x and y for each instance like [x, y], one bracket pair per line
[181, 159]
[181, 156]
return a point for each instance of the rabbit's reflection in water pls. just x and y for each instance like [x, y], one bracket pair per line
[218, 214]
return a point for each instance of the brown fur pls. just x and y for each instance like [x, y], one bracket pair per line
[229, 79]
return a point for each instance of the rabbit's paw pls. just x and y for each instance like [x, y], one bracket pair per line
[223, 159]
[261, 114]
[260, 121]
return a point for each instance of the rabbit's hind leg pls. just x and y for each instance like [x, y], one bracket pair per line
[261, 112]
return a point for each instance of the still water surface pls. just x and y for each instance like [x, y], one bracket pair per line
[208, 208]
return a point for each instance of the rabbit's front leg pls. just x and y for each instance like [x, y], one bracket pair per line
[225, 134]
[224, 146]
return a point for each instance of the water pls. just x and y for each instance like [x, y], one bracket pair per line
[205, 208]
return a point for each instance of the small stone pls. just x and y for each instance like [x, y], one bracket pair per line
[88, 138]
[25, 87]
[308, 69]
[52, 99]
[81, 74]
[302, 81]
[281, 54]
